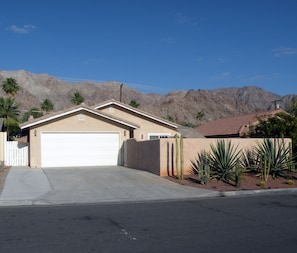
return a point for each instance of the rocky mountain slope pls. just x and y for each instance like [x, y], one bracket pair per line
[181, 106]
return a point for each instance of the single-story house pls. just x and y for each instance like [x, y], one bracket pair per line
[233, 127]
[91, 136]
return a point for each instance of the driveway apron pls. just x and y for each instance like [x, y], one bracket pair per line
[95, 185]
[24, 184]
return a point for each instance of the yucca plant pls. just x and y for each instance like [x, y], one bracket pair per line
[274, 158]
[223, 159]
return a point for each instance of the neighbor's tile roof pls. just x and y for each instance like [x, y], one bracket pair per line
[237, 125]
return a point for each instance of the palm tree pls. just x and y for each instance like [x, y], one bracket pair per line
[9, 111]
[200, 115]
[134, 103]
[77, 98]
[47, 105]
[10, 86]
[34, 111]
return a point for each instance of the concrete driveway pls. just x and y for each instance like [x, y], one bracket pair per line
[26, 186]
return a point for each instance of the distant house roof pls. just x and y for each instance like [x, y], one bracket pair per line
[189, 132]
[79, 108]
[236, 126]
[136, 111]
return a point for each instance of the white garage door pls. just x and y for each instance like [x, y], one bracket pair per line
[63, 149]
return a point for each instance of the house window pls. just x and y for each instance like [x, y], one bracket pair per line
[158, 136]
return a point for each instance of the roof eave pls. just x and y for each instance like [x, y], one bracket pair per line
[56, 116]
[136, 111]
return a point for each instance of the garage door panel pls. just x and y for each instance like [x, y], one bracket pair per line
[79, 149]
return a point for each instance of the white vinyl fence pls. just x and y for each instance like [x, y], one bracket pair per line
[16, 153]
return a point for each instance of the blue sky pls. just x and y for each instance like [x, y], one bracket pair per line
[155, 45]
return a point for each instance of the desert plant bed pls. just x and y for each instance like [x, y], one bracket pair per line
[249, 182]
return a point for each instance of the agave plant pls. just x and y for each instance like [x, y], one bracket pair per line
[200, 167]
[223, 159]
[249, 162]
[274, 158]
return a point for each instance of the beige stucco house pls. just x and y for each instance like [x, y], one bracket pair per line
[91, 136]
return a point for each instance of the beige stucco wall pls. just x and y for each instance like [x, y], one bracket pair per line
[2, 140]
[148, 151]
[77, 123]
[146, 126]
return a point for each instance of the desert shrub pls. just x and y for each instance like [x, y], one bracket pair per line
[262, 184]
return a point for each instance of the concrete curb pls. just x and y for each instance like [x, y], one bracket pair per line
[15, 203]
[257, 192]
[39, 202]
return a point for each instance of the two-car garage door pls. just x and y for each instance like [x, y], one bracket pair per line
[64, 149]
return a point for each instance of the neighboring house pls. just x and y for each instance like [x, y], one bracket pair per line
[91, 136]
[233, 127]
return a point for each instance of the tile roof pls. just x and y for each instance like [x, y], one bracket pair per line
[235, 126]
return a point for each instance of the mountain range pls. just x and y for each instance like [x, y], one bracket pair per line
[181, 106]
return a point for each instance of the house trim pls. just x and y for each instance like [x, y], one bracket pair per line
[74, 110]
[136, 111]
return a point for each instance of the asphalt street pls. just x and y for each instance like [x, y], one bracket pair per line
[264, 223]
